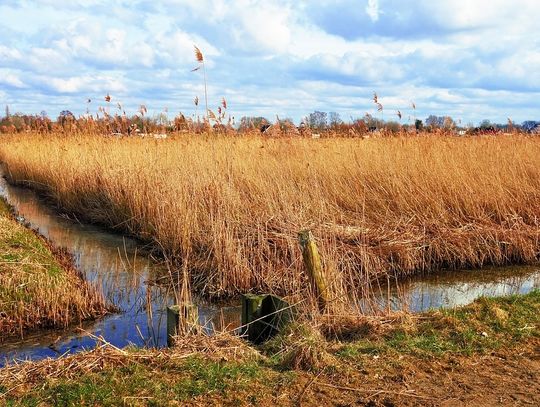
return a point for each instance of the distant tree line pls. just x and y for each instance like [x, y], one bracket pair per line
[317, 121]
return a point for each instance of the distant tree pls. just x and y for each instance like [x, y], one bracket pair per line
[65, 116]
[449, 123]
[287, 126]
[418, 124]
[435, 121]
[392, 126]
[318, 120]
[7, 112]
[286, 121]
[250, 122]
[19, 120]
[485, 124]
[372, 122]
[334, 119]
[359, 125]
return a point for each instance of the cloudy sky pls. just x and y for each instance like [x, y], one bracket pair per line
[471, 59]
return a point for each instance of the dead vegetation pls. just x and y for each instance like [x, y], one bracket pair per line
[223, 346]
[233, 206]
[219, 347]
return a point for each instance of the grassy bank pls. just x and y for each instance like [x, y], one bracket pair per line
[232, 207]
[482, 354]
[39, 288]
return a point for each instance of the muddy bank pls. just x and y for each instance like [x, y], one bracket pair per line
[39, 285]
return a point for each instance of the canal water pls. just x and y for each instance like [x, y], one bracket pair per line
[116, 264]
[448, 289]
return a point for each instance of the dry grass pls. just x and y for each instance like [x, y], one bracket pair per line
[220, 347]
[39, 289]
[301, 347]
[232, 207]
[71, 366]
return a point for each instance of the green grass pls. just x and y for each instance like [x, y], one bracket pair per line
[192, 377]
[486, 325]
[215, 377]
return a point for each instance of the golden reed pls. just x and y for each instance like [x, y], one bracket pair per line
[232, 206]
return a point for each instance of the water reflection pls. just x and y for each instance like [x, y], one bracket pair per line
[114, 263]
[454, 288]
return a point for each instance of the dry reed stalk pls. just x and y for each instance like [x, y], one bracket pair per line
[200, 60]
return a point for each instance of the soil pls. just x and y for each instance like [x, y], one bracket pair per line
[498, 379]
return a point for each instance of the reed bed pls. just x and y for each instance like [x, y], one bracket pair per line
[39, 288]
[230, 208]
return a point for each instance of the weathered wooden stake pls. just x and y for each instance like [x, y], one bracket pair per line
[251, 312]
[181, 319]
[313, 264]
[263, 316]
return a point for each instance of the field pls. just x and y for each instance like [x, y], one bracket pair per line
[269, 203]
[226, 211]
[39, 287]
[229, 209]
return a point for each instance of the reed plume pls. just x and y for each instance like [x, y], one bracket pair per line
[200, 59]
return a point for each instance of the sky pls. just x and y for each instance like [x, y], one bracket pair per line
[469, 59]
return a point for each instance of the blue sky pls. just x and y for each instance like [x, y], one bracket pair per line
[470, 59]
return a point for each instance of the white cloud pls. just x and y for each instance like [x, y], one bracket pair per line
[8, 53]
[457, 55]
[10, 78]
[502, 14]
[70, 85]
[372, 10]
[87, 84]
[267, 25]
[177, 48]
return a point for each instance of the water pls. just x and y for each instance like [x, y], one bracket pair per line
[115, 263]
[456, 288]
[125, 276]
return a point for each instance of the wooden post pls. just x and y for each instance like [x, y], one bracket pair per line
[263, 316]
[181, 319]
[313, 264]
[251, 313]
